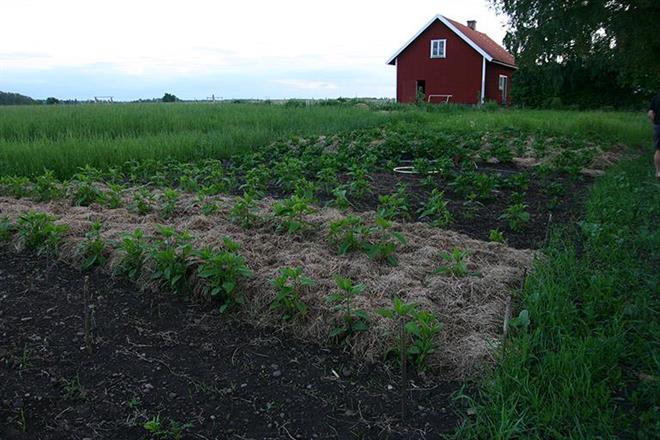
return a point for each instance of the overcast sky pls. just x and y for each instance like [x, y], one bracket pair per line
[134, 49]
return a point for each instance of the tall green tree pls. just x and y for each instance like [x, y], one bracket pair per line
[592, 50]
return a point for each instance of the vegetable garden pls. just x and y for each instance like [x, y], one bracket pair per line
[319, 237]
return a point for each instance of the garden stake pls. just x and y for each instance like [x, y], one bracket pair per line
[87, 316]
[404, 359]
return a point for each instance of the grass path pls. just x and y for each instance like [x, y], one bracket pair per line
[586, 364]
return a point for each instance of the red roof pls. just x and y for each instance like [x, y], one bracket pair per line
[479, 41]
[482, 40]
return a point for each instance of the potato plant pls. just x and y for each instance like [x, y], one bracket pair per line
[134, 250]
[455, 263]
[91, 250]
[351, 320]
[244, 211]
[384, 247]
[38, 231]
[289, 286]
[291, 213]
[436, 209]
[169, 255]
[395, 205]
[349, 234]
[516, 216]
[221, 272]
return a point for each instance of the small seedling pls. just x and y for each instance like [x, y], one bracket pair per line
[290, 284]
[496, 235]
[142, 202]
[352, 320]
[74, 389]
[394, 205]
[516, 216]
[291, 211]
[436, 209]
[7, 229]
[91, 250]
[244, 211]
[349, 234]
[455, 263]
[384, 249]
[170, 198]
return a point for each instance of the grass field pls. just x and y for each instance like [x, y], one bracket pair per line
[64, 138]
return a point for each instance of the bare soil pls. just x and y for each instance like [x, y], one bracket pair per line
[158, 356]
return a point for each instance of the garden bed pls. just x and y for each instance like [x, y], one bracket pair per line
[183, 365]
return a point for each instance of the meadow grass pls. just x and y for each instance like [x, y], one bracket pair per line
[587, 364]
[64, 138]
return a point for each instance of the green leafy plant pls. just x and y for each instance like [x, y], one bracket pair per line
[134, 251]
[496, 235]
[7, 229]
[113, 196]
[516, 216]
[15, 186]
[169, 255]
[291, 211]
[166, 428]
[349, 234]
[84, 192]
[359, 183]
[436, 209]
[395, 205]
[244, 211]
[142, 202]
[455, 263]
[221, 272]
[340, 201]
[420, 326]
[383, 249]
[92, 249]
[47, 187]
[39, 232]
[170, 198]
[290, 284]
[351, 320]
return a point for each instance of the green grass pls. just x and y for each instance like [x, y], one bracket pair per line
[588, 364]
[64, 138]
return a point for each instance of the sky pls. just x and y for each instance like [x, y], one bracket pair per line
[131, 49]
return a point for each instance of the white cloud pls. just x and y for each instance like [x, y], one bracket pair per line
[172, 39]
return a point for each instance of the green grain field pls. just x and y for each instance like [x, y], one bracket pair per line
[64, 138]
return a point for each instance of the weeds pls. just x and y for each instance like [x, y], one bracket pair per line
[7, 229]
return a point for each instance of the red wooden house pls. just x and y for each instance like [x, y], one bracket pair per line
[447, 61]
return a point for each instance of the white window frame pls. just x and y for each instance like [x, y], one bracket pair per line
[500, 85]
[444, 48]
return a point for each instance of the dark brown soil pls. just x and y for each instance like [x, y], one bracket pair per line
[543, 206]
[160, 357]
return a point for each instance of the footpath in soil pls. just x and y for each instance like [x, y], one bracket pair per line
[154, 356]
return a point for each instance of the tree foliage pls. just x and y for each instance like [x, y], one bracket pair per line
[168, 97]
[585, 52]
[7, 98]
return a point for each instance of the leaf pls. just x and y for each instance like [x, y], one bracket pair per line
[413, 328]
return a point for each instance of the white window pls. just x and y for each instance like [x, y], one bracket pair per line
[438, 48]
[503, 81]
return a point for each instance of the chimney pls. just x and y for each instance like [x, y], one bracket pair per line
[472, 24]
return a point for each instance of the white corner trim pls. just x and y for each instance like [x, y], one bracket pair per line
[483, 80]
[453, 28]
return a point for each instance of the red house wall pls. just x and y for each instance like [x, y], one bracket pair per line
[459, 74]
[493, 72]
